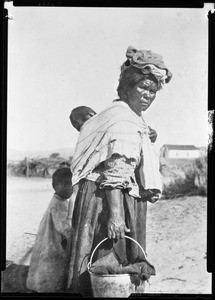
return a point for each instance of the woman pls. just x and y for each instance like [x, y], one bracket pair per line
[117, 171]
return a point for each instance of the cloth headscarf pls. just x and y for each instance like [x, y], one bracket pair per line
[148, 62]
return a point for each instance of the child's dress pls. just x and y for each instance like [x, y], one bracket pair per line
[48, 266]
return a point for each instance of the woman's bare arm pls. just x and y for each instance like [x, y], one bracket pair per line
[116, 223]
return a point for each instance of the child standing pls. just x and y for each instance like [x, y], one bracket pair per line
[48, 266]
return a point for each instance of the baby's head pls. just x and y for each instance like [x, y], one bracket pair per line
[62, 182]
[79, 115]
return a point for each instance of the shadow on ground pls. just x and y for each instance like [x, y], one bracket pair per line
[14, 278]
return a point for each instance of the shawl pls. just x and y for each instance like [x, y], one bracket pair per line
[117, 129]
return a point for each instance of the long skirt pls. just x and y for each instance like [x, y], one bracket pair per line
[90, 219]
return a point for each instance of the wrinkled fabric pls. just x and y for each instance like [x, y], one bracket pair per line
[119, 130]
[158, 73]
[118, 172]
[148, 62]
[90, 221]
[110, 265]
[49, 260]
[143, 270]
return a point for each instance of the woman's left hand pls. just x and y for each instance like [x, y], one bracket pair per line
[152, 134]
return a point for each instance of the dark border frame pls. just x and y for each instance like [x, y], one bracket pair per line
[211, 155]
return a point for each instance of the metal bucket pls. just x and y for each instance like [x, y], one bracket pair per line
[116, 285]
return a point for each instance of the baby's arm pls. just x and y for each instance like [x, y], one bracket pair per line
[152, 134]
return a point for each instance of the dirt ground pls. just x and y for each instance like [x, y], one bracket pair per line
[176, 238]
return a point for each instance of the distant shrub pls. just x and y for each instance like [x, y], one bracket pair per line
[38, 167]
[202, 191]
[180, 186]
[18, 169]
[194, 181]
[54, 155]
[201, 164]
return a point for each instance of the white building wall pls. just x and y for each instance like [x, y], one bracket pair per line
[184, 153]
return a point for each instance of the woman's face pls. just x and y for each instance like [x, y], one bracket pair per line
[141, 96]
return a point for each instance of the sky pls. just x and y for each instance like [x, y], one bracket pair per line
[63, 57]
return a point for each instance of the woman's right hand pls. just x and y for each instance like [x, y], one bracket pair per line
[116, 223]
[117, 228]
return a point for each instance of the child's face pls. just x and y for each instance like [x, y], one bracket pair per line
[85, 117]
[64, 189]
[88, 115]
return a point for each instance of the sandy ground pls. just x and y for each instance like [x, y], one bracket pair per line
[176, 235]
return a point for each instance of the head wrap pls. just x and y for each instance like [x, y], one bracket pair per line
[148, 62]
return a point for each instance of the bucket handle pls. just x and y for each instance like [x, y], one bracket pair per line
[127, 237]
